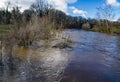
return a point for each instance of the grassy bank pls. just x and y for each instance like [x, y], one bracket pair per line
[4, 28]
[113, 30]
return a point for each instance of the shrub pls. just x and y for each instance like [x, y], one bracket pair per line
[86, 26]
[37, 28]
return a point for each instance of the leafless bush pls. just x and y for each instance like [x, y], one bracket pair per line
[37, 28]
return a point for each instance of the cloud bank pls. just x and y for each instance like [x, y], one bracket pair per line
[25, 4]
[78, 12]
[113, 3]
[58, 4]
[62, 4]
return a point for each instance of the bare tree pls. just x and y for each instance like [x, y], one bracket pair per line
[107, 14]
[40, 7]
[16, 15]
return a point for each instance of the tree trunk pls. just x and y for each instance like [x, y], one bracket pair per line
[1, 52]
[107, 26]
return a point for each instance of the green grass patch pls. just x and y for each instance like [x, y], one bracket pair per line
[111, 30]
[115, 31]
[4, 28]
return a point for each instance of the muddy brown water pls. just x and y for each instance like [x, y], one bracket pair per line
[95, 57]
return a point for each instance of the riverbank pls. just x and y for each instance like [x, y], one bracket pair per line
[111, 31]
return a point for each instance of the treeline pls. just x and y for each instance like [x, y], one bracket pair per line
[57, 16]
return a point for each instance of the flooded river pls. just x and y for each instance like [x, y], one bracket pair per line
[95, 57]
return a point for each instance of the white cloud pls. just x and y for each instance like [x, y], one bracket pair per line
[62, 4]
[113, 3]
[25, 4]
[78, 12]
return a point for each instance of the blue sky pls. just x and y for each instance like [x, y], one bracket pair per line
[87, 5]
[85, 8]
[90, 7]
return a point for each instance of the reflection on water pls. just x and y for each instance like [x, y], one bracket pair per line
[95, 57]
[34, 65]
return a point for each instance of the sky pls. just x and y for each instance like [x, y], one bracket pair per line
[84, 8]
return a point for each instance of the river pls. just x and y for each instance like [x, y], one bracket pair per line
[95, 57]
